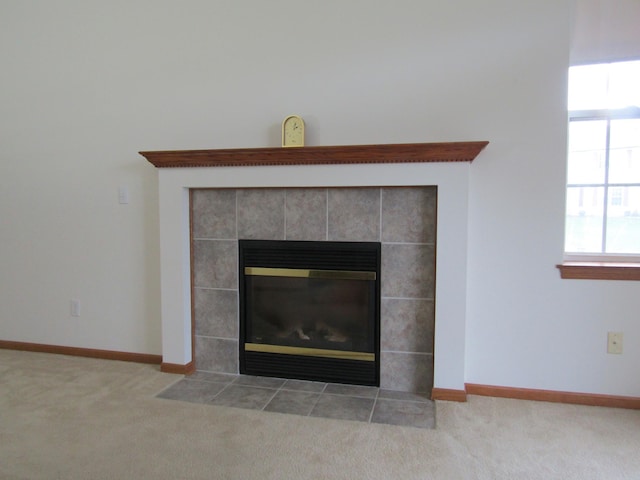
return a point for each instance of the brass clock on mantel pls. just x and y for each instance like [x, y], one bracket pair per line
[293, 131]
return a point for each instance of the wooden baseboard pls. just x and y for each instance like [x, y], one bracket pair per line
[591, 399]
[449, 395]
[187, 369]
[82, 352]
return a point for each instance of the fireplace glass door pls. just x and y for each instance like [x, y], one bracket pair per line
[310, 310]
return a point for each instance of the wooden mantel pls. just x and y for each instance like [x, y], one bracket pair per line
[389, 153]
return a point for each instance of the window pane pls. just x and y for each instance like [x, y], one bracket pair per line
[588, 87]
[623, 222]
[604, 86]
[584, 219]
[624, 78]
[624, 154]
[603, 169]
[587, 149]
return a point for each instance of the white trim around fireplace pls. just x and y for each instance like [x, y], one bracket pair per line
[452, 180]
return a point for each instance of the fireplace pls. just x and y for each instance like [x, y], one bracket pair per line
[442, 166]
[310, 310]
[402, 220]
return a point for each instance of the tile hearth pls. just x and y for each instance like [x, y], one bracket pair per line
[314, 399]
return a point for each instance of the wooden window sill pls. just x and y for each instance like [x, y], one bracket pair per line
[600, 270]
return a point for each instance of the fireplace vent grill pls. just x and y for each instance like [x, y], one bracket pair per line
[310, 368]
[311, 255]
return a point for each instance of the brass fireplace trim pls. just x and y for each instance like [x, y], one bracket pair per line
[310, 352]
[304, 273]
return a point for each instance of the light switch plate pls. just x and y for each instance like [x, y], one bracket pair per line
[123, 195]
[75, 308]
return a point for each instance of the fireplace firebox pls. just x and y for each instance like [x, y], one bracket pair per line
[310, 310]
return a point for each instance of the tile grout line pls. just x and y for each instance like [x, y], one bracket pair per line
[408, 353]
[317, 400]
[223, 389]
[217, 338]
[213, 239]
[373, 407]
[427, 299]
[380, 214]
[216, 288]
[427, 244]
[275, 392]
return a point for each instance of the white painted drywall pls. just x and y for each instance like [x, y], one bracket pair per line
[604, 31]
[85, 85]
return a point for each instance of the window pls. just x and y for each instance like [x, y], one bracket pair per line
[603, 176]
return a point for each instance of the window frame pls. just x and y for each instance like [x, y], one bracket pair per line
[601, 265]
[607, 115]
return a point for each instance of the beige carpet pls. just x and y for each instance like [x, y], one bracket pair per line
[76, 418]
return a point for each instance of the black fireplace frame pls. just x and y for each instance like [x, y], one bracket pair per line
[326, 255]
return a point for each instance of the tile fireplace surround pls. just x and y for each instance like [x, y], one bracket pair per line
[267, 172]
[402, 218]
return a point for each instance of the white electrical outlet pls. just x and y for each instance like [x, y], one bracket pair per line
[614, 342]
[75, 308]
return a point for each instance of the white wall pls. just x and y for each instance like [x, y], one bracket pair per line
[605, 31]
[525, 326]
[85, 85]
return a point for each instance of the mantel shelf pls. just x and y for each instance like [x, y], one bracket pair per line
[389, 153]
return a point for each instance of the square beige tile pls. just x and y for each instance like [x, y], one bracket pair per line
[408, 271]
[406, 372]
[306, 214]
[216, 354]
[409, 214]
[407, 325]
[354, 214]
[214, 213]
[215, 263]
[261, 214]
[216, 312]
